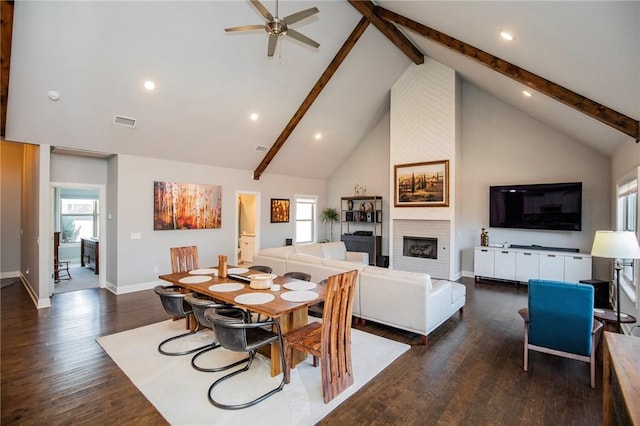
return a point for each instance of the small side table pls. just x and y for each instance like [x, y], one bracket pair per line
[610, 316]
[600, 292]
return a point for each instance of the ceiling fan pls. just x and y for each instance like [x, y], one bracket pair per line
[277, 27]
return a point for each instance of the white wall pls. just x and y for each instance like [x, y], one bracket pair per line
[138, 259]
[10, 189]
[71, 168]
[500, 146]
[368, 165]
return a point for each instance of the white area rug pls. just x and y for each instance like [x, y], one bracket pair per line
[180, 393]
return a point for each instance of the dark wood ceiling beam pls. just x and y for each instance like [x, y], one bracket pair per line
[606, 115]
[312, 96]
[6, 32]
[389, 30]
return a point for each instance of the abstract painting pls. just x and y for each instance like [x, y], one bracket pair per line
[186, 206]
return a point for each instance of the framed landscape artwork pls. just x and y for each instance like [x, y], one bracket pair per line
[422, 184]
[279, 210]
[186, 206]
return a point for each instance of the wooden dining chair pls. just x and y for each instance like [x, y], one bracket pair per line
[330, 340]
[184, 259]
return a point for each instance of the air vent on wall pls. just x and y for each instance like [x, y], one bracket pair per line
[121, 120]
[261, 148]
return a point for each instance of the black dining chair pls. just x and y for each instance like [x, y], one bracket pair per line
[317, 309]
[173, 302]
[199, 305]
[303, 276]
[239, 335]
[261, 268]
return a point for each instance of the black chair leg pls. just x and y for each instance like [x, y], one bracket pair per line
[180, 336]
[213, 346]
[255, 401]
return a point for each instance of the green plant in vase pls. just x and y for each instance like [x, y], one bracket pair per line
[331, 215]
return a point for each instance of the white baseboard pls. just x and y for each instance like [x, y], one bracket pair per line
[468, 274]
[40, 303]
[135, 287]
[10, 274]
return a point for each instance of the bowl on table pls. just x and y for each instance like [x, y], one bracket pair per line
[261, 281]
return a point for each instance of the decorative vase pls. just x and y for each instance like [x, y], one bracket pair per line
[350, 205]
[484, 238]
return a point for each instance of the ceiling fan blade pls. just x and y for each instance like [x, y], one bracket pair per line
[299, 16]
[273, 40]
[246, 28]
[263, 10]
[303, 38]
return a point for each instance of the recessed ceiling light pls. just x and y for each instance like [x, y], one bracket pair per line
[317, 136]
[526, 93]
[253, 116]
[506, 35]
[149, 85]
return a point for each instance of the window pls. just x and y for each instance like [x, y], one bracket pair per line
[78, 219]
[626, 220]
[305, 218]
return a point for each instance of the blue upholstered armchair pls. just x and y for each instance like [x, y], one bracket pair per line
[559, 321]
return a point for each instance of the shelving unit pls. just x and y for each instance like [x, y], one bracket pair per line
[361, 224]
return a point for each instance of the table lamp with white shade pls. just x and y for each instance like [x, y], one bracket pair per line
[617, 245]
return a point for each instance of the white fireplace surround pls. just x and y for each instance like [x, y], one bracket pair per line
[440, 229]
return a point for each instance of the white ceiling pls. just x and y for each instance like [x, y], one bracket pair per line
[98, 54]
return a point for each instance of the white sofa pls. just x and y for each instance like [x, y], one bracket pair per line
[405, 300]
[318, 259]
[408, 300]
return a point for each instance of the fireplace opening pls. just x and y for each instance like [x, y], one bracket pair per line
[426, 248]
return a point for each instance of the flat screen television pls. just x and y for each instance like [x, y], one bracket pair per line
[554, 206]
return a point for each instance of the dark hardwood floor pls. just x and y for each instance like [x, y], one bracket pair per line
[53, 371]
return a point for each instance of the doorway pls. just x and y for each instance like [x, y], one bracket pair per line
[247, 226]
[76, 215]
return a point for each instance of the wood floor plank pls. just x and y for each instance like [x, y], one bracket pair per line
[470, 373]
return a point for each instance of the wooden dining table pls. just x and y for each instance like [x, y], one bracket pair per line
[290, 315]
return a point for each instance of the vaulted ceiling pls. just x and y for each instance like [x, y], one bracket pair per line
[97, 55]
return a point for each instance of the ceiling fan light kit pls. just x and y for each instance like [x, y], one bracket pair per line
[277, 27]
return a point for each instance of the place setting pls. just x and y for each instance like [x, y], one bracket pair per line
[299, 296]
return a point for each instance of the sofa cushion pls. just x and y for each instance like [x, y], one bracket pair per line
[310, 249]
[399, 275]
[306, 258]
[341, 264]
[335, 250]
[279, 252]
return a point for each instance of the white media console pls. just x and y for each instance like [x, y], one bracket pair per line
[521, 265]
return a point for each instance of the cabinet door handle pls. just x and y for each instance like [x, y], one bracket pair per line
[484, 250]
[505, 252]
[577, 257]
[527, 254]
[551, 255]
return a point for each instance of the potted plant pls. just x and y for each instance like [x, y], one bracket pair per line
[331, 215]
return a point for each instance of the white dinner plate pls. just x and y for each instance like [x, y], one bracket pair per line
[195, 279]
[226, 287]
[237, 270]
[299, 296]
[300, 285]
[204, 271]
[254, 298]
